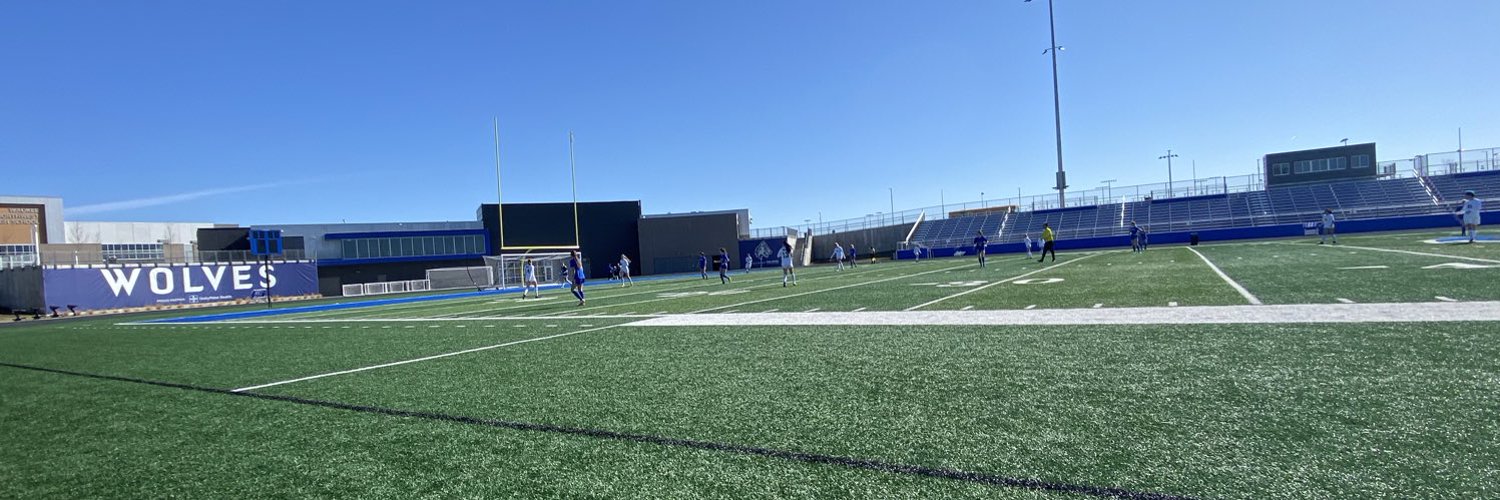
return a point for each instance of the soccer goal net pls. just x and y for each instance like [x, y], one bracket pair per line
[447, 278]
[508, 271]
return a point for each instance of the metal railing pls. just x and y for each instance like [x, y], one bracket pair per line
[56, 258]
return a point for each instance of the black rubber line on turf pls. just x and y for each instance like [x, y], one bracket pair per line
[850, 462]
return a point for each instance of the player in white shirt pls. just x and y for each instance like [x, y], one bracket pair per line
[749, 262]
[625, 271]
[838, 255]
[1027, 242]
[1329, 227]
[785, 254]
[528, 279]
[1472, 207]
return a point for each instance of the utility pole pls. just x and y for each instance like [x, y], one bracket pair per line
[1169, 156]
[1062, 177]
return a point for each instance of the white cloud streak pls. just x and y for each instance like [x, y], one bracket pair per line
[116, 206]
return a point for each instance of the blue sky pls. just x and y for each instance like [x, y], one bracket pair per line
[282, 112]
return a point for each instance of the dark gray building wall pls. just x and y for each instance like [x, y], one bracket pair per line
[880, 241]
[1274, 161]
[21, 289]
[224, 238]
[606, 229]
[670, 244]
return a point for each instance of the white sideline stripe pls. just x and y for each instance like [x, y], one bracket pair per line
[395, 320]
[1445, 256]
[1243, 292]
[1030, 307]
[965, 308]
[1096, 306]
[1188, 315]
[862, 283]
[1006, 280]
[418, 360]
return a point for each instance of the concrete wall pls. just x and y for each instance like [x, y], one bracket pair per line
[880, 241]
[180, 233]
[670, 244]
[19, 213]
[21, 289]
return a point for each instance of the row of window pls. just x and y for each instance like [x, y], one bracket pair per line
[415, 246]
[132, 251]
[17, 249]
[1321, 165]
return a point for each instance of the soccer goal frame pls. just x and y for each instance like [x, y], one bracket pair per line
[551, 266]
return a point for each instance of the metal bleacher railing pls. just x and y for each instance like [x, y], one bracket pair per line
[68, 258]
[1422, 185]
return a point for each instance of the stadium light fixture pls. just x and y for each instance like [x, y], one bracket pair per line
[1053, 49]
[1169, 156]
[1345, 141]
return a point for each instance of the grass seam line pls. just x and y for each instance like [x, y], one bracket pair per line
[1411, 252]
[418, 360]
[795, 456]
[1006, 280]
[862, 283]
[1254, 301]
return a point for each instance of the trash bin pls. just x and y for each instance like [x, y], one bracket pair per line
[1193, 239]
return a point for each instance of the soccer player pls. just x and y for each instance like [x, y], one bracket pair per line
[785, 254]
[528, 279]
[1471, 210]
[1145, 237]
[1329, 228]
[980, 245]
[853, 256]
[1028, 244]
[749, 262]
[723, 266]
[625, 271]
[703, 265]
[1135, 237]
[1049, 242]
[838, 255]
[575, 271]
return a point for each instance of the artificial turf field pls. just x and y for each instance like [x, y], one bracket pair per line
[1074, 379]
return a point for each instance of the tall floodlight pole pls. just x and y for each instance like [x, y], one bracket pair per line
[893, 202]
[499, 192]
[1062, 177]
[573, 175]
[1169, 156]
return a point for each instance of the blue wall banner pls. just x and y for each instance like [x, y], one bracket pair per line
[763, 251]
[125, 287]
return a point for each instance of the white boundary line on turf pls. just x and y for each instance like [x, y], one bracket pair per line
[1237, 287]
[1445, 256]
[1184, 315]
[474, 319]
[1006, 280]
[417, 360]
[862, 283]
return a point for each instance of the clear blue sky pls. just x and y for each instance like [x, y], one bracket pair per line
[291, 111]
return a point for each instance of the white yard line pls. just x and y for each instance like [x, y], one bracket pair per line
[1189, 315]
[1096, 306]
[1243, 292]
[1444, 299]
[965, 308]
[418, 360]
[402, 320]
[1344, 300]
[860, 309]
[1409, 252]
[1006, 280]
[1030, 307]
[862, 283]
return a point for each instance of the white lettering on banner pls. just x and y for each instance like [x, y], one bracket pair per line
[215, 276]
[117, 281]
[187, 281]
[241, 277]
[265, 275]
[160, 279]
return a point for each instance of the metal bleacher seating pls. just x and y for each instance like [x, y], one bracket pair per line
[1359, 199]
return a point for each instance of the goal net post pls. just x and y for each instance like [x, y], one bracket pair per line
[507, 268]
[448, 278]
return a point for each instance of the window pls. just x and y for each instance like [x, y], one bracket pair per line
[132, 251]
[1361, 161]
[1340, 163]
[1303, 166]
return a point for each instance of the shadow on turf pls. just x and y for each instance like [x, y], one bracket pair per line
[850, 462]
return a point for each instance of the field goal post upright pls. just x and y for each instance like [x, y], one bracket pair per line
[505, 267]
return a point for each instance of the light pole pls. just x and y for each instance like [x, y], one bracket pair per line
[981, 199]
[1169, 156]
[1345, 141]
[893, 202]
[1062, 178]
[1108, 192]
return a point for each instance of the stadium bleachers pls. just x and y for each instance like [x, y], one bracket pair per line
[1361, 199]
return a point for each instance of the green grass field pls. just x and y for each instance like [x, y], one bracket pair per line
[1078, 378]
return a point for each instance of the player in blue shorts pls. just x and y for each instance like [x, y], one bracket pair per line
[723, 266]
[853, 256]
[703, 265]
[575, 271]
